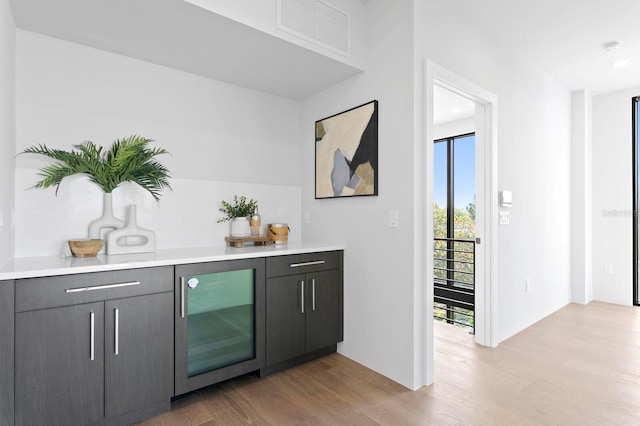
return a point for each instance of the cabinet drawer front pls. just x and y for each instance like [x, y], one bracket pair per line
[51, 292]
[279, 266]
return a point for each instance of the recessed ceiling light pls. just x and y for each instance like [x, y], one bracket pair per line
[455, 110]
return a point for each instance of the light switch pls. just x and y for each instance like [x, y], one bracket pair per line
[504, 218]
[393, 219]
[306, 216]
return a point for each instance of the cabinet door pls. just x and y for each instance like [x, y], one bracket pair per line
[7, 329]
[285, 318]
[324, 309]
[138, 352]
[59, 366]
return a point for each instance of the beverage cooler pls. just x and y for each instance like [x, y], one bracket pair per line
[219, 322]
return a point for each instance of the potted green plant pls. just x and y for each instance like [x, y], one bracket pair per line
[127, 160]
[238, 212]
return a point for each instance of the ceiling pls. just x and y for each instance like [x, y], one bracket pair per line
[562, 38]
[179, 35]
[449, 106]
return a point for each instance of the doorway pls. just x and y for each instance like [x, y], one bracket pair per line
[486, 206]
[454, 214]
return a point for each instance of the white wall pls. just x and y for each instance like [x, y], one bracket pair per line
[223, 140]
[533, 160]
[612, 197]
[7, 128]
[379, 278]
[382, 328]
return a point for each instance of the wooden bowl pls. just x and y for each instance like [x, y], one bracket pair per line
[85, 248]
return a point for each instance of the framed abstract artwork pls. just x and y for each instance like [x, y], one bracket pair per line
[347, 153]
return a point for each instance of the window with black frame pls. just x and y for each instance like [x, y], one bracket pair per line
[454, 230]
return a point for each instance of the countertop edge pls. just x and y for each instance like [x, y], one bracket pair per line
[45, 266]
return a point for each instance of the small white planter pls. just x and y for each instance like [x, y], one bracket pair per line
[240, 227]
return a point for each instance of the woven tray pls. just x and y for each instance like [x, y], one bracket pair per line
[240, 241]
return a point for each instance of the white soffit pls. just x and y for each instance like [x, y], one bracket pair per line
[179, 35]
[315, 21]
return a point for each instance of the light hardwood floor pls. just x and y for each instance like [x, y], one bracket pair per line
[579, 366]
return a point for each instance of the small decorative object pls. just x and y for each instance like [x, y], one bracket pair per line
[85, 248]
[255, 223]
[128, 159]
[347, 153]
[131, 238]
[240, 227]
[238, 213]
[278, 232]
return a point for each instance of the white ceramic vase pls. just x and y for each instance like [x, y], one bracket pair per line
[240, 227]
[131, 238]
[107, 220]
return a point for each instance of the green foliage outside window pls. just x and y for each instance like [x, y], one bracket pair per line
[464, 229]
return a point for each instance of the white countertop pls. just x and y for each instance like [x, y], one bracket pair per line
[29, 267]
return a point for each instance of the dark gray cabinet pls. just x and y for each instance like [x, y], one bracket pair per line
[7, 330]
[304, 309]
[286, 331]
[324, 309]
[113, 348]
[105, 355]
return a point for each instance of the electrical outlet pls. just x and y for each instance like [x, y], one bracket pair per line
[608, 269]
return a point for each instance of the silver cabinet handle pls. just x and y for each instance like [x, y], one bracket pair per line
[315, 262]
[117, 326]
[93, 337]
[101, 287]
[313, 293]
[302, 297]
[181, 297]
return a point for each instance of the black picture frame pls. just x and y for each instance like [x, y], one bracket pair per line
[346, 153]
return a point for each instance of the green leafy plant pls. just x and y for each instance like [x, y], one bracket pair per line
[240, 208]
[127, 160]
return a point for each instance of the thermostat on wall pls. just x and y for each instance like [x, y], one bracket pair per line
[505, 198]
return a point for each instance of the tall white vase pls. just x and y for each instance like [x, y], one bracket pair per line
[107, 221]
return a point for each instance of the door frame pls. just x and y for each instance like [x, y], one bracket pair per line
[635, 104]
[486, 205]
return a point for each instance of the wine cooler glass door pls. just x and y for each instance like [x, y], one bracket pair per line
[220, 321]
